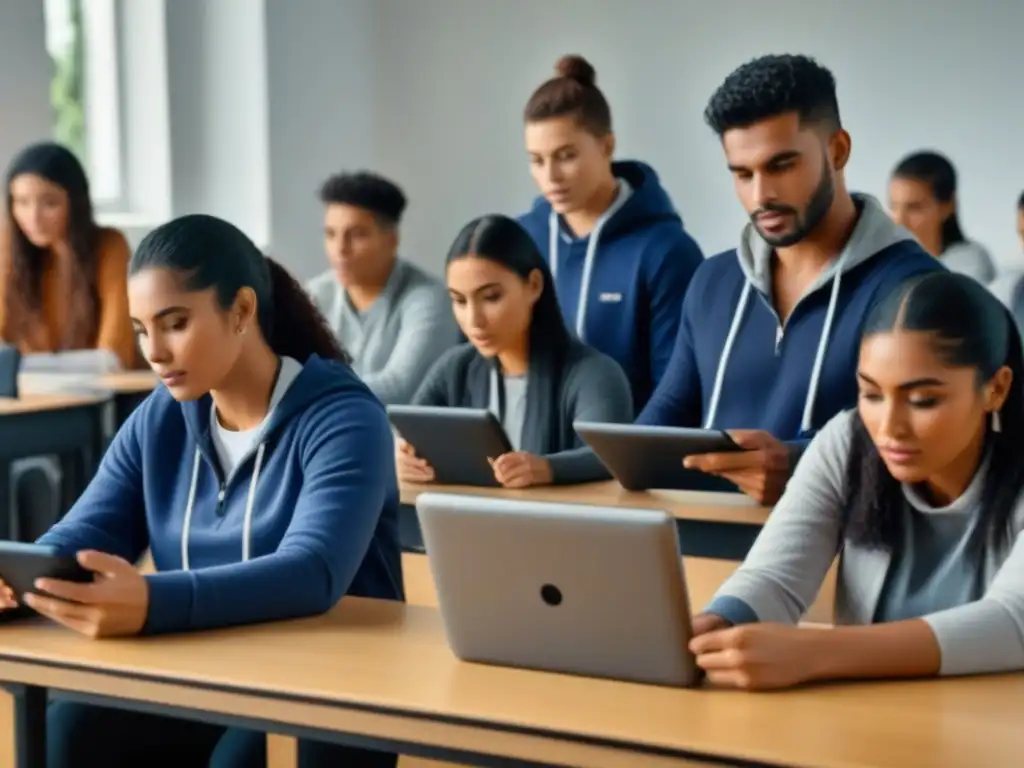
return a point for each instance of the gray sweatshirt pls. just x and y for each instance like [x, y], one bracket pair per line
[784, 570]
[971, 259]
[395, 341]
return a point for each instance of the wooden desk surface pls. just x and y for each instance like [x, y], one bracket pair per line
[688, 505]
[124, 382]
[383, 669]
[47, 402]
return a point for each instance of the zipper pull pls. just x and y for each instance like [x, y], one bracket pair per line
[220, 499]
[778, 339]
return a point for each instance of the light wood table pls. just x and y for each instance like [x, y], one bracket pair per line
[720, 525]
[67, 425]
[381, 674]
[128, 388]
[686, 505]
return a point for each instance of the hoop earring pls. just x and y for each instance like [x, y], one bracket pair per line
[997, 422]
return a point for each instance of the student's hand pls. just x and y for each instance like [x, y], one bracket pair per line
[707, 622]
[115, 604]
[761, 470]
[521, 470]
[757, 656]
[411, 468]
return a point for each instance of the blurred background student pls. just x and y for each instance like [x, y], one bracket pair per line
[392, 317]
[63, 278]
[922, 198]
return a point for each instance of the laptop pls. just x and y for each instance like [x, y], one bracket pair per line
[569, 588]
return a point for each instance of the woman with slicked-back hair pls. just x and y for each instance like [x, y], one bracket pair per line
[521, 362]
[919, 491]
[260, 475]
[614, 241]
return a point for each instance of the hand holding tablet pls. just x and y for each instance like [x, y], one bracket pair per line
[760, 470]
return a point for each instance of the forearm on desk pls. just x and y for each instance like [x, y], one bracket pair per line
[897, 649]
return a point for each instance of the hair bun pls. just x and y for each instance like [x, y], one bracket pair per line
[575, 67]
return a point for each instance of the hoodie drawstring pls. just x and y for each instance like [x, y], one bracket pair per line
[554, 232]
[249, 502]
[819, 357]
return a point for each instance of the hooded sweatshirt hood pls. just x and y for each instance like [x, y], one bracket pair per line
[732, 336]
[314, 503]
[873, 233]
[621, 286]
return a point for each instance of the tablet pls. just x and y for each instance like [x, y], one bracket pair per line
[644, 457]
[570, 588]
[456, 442]
[10, 365]
[22, 563]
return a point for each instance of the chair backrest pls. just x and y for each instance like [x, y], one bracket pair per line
[10, 363]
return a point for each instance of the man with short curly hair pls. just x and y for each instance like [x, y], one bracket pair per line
[392, 317]
[767, 343]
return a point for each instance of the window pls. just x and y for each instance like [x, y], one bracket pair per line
[81, 36]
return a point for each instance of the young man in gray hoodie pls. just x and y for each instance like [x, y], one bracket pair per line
[392, 317]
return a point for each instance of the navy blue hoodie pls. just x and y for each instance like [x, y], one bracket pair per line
[735, 366]
[317, 502]
[621, 288]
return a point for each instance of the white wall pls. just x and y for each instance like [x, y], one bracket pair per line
[262, 99]
[25, 74]
[454, 76]
[216, 69]
[320, 96]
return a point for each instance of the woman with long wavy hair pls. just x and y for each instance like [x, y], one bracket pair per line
[63, 278]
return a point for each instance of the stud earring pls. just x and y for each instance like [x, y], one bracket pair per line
[997, 422]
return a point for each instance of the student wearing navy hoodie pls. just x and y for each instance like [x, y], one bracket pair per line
[614, 242]
[261, 476]
[767, 347]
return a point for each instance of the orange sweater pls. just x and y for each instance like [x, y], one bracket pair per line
[114, 329]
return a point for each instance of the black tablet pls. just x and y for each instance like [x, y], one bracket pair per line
[21, 564]
[10, 364]
[456, 442]
[643, 457]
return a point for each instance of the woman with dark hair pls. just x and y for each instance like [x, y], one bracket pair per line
[615, 244]
[261, 477]
[521, 362]
[918, 491]
[62, 277]
[922, 198]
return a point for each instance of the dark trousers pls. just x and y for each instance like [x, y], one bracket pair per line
[86, 735]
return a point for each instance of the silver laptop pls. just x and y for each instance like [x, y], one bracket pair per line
[569, 588]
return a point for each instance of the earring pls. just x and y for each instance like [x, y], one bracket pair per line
[997, 423]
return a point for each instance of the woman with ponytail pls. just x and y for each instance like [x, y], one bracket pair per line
[261, 477]
[923, 198]
[521, 362]
[919, 493]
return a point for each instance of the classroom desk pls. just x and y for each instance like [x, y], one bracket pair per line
[70, 426]
[129, 388]
[380, 674]
[720, 525]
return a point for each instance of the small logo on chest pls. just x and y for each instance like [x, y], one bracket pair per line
[609, 298]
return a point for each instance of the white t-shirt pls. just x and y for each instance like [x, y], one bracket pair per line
[233, 446]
